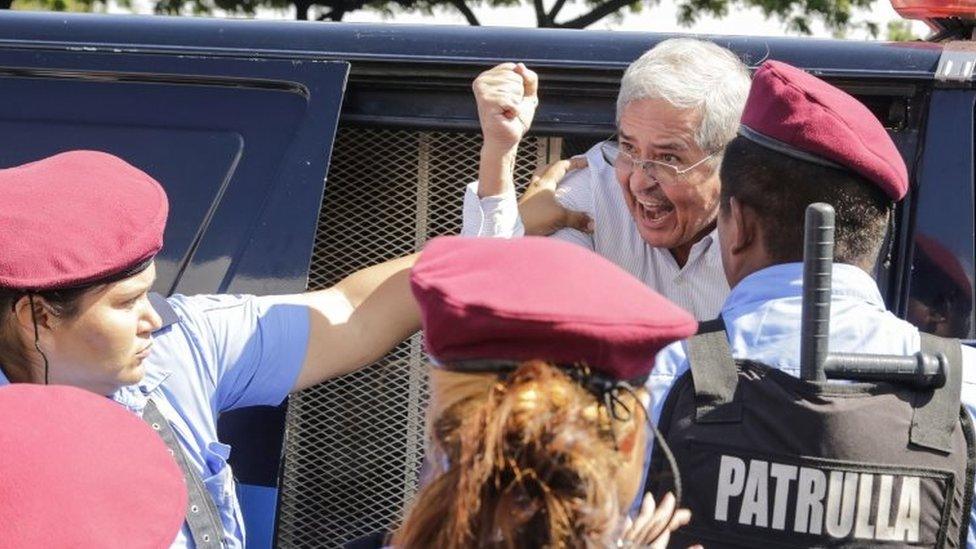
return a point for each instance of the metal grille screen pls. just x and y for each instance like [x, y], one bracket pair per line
[355, 444]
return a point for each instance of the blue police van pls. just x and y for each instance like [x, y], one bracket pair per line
[294, 153]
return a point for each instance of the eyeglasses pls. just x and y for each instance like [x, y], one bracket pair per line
[662, 172]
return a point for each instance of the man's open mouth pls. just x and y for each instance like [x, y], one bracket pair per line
[654, 211]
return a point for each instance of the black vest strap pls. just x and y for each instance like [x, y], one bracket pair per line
[202, 516]
[937, 412]
[714, 374]
[201, 511]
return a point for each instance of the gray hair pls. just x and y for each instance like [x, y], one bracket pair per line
[692, 74]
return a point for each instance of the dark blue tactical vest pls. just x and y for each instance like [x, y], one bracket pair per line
[770, 460]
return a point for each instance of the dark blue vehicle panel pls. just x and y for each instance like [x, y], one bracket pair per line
[242, 147]
[232, 140]
[574, 49]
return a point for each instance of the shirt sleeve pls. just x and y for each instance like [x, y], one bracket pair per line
[493, 216]
[251, 348]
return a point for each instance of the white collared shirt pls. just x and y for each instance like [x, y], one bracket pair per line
[698, 287]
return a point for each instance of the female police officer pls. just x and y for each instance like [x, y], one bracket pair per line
[538, 436]
[78, 233]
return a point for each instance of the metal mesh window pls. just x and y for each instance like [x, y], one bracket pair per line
[355, 444]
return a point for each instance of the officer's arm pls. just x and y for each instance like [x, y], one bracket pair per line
[543, 214]
[357, 321]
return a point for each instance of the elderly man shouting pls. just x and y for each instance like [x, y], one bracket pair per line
[652, 190]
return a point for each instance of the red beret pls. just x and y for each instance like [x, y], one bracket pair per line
[800, 115]
[930, 254]
[79, 470]
[75, 218]
[539, 298]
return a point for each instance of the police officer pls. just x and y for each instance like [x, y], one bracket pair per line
[538, 432]
[81, 471]
[803, 141]
[79, 232]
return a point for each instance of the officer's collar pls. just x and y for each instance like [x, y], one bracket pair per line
[155, 375]
[164, 310]
[786, 281]
[134, 396]
[153, 378]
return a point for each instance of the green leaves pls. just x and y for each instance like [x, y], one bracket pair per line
[54, 5]
[798, 15]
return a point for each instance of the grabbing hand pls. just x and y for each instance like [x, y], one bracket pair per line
[652, 528]
[541, 213]
[507, 96]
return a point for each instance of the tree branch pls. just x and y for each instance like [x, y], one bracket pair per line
[540, 14]
[301, 9]
[5, 4]
[339, 8]
[556, 8]
[462, 7]
[595, 15]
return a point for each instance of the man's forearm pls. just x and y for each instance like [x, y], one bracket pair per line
[496, 170]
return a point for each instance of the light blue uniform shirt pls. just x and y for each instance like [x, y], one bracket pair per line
[762, 319]
[225, 352]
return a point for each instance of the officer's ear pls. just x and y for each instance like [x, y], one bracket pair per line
[628, 432]
[743, 230]
[631, 440]
[41, 314]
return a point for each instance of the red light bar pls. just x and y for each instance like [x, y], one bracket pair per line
[935, 9]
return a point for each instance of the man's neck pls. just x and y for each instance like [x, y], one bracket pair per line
[683, 252]
[765, 263]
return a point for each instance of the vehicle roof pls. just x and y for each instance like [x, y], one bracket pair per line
[441, 43]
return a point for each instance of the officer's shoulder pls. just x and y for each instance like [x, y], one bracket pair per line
[191, 311]
[189, 304]
[671, 360]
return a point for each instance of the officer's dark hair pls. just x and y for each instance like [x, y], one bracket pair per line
[17, 354]
[779, 188]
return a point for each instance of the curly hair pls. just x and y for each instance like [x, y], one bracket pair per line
[532, 464]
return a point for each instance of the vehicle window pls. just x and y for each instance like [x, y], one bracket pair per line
[940, 288]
